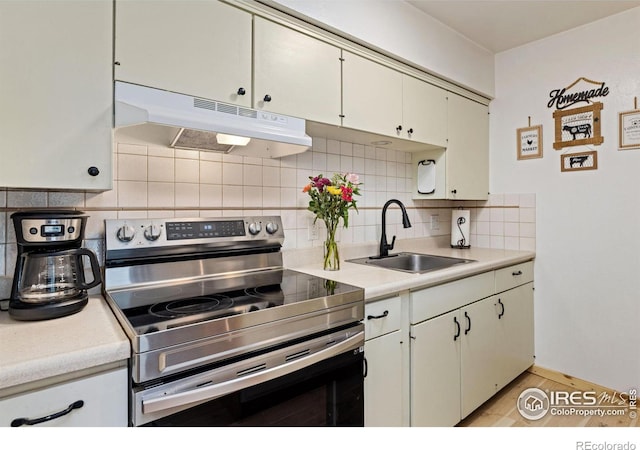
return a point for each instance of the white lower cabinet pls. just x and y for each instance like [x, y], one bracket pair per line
[98, 400]
[435, 371]
[469, 343]
[383, 352]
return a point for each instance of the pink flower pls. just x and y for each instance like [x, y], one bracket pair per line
[352, 178]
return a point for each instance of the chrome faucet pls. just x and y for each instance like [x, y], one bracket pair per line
[384, 247]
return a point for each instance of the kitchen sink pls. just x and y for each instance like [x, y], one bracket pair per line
[411, 262]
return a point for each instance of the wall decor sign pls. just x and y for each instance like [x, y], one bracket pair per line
[529, 142]
[561, 98]
[578, 126]
[629, 126]
[579, 161]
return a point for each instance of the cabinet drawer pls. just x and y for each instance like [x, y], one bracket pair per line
[381, 317]
[433, 301]
[513, 276]
[104, 398]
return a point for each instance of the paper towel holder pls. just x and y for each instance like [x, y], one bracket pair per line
[460, 230]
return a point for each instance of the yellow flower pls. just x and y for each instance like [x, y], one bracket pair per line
[334, 190]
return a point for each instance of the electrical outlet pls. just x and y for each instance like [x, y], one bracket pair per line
[314, 231]
[435, 222]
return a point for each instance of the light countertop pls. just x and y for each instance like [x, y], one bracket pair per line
[378, 282]
[34, 351]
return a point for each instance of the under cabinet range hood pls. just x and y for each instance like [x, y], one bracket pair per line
[201, 124]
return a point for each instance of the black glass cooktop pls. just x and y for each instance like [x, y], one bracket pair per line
[155, 308]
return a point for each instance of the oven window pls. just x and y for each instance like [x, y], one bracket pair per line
[328, 393]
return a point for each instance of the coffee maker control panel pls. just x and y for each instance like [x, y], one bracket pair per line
[39, 231]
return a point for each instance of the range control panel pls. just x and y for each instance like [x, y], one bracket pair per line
[172, 232]
[206, 229]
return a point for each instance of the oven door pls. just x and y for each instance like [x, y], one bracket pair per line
[317, 382]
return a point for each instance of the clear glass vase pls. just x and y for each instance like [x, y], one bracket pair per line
[331, 253]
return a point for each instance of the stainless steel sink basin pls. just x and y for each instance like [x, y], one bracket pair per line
[411, 262]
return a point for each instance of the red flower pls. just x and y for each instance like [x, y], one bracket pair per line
[347, 193]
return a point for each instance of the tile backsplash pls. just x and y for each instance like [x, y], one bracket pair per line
[158, 181]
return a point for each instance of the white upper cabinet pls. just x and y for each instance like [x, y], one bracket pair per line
[424, 112]
[467, 155]
[295, 74]
[461, 171]
[384, 101]
[56, 94]
[200, 48]
[371, 96]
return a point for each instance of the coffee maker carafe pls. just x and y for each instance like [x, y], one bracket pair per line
[49, 279]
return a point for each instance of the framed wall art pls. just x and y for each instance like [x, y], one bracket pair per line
[529, 142]
[578, 126]
[579, 161]
[629, 130]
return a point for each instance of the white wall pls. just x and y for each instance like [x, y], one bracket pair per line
[588, 249]
[403, 30]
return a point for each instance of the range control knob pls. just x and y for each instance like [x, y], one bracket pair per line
[271, 227]
[125, 233]
[255, 228]
[152, 232]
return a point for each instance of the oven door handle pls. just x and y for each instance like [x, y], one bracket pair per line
[211, 392]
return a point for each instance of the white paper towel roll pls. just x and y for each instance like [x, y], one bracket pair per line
[460, 228]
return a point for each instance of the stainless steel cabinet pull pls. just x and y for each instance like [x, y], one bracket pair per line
[515, 274]
[24, 421]
[381, 316]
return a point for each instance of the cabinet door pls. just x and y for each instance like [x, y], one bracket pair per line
[299, 75]
[515, 332]
[479, 353]
[383, 383]
[56, 94]
[371, 96]
[199, 48]
[424, 110]
[104, 402]
[467, 154]
[435, 371]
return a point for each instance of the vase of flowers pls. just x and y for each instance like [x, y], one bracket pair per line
[330, 201]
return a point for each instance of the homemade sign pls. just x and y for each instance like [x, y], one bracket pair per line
[578, 126]
[562, 99]
[530, 142]
[579, 161]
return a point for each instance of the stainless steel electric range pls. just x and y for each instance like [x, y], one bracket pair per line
[222, 334]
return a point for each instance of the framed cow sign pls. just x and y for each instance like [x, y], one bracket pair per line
[578, 126]
[579, 161]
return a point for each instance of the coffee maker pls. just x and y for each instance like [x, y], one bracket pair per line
[49, 279]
